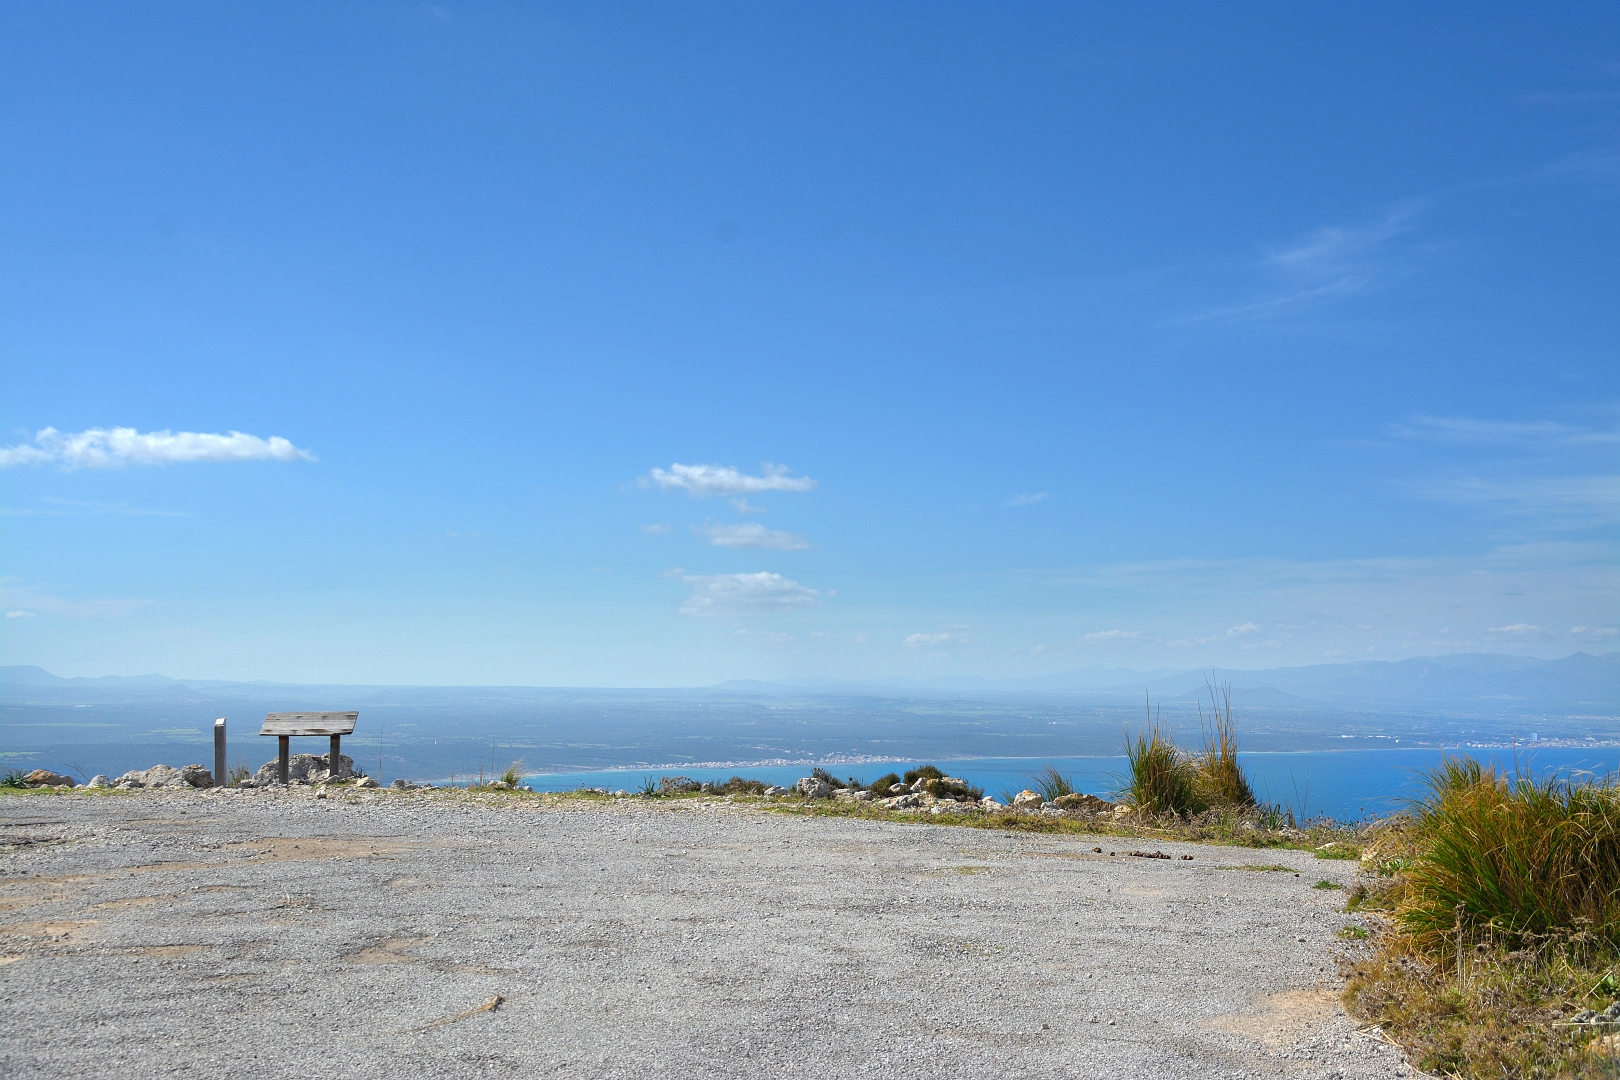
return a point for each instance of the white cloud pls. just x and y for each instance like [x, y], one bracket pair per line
[1595, 632]
[1518, 630]
[750, 535]
[1239, 631]
[736, 594]
[1113, 635]
[743, 506]
[655, 529]
[915, 641]
[705, 481]
[1027, 500]
[23, 602]
[111, 448]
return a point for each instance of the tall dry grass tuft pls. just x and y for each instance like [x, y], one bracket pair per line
[1512, 856]
[1220, 778]
[1163, 779]
[1052, 784]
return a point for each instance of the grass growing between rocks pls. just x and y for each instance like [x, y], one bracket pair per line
[1501, 895]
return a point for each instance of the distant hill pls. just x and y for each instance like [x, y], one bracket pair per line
[1476, 684]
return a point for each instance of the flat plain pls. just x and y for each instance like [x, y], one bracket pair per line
[439, 934]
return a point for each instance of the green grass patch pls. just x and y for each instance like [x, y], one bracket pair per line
[1326, 884]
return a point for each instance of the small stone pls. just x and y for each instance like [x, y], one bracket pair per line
[775, 789]
[1028, 800]
[366, 782]
[99, 780]
[402, 784]
[989, 803]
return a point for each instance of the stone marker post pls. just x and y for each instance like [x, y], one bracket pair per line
[219, 752]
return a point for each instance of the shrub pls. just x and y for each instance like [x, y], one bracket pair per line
[1513, 854]
[1052, 784]
[738, 785]
[513, 774]
[1162, 780]
[13, 778]
[882, 784]
[926, 772]
[1221, 780]
[827, 778]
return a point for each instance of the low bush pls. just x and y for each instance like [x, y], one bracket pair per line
[828, 778]
[13, 778]
[513, 774]
[926, 772]
[882, 784]
[738, 785]
[1503, 898]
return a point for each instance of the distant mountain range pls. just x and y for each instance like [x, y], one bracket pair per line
[1484, 684]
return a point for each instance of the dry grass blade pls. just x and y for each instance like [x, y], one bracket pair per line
[489, 1006]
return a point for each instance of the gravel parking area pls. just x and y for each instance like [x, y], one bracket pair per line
[272, 934]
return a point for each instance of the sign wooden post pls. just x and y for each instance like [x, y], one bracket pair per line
[219, 752]
[284, 725]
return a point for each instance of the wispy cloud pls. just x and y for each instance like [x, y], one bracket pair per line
[1027, 500]
[655, 529]
[741, 594]
[111, 448]
[750, 534]
[1554, 501]
[918, 641]
[1519, 630]
[1329, 262]
[706, 481]
[1470, 431]
[1114, 635]
[19, 614]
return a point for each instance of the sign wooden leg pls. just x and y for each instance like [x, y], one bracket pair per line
[332, 759]
[285, 752]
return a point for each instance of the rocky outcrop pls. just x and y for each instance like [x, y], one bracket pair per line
[158, 776]
[197, 776]
[1088, 803]
[46, 778]
[853, 795]
[303, 769]
[100, 780]
[1028, 800]
[812, 787]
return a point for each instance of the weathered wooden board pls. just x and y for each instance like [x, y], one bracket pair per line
[309, 723]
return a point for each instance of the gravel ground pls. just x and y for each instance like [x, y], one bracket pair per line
[269, 934]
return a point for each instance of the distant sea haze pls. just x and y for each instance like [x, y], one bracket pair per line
[109, 725]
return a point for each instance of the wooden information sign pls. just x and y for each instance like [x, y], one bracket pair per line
[284, 725]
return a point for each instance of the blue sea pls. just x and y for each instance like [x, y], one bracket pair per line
[1348, 785]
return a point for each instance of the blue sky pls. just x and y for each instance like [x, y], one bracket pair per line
[634, 345]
